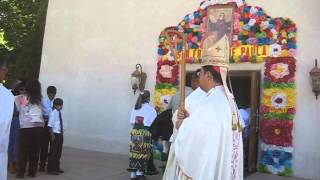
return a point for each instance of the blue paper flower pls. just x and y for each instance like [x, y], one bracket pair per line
[279, 160]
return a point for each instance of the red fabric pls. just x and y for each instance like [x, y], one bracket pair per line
[216, 69]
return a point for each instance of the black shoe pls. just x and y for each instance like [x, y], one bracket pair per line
[60, 171]
[52, 173]
[19, 176]
[150, 173]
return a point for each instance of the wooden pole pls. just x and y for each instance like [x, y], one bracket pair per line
[183, 73]
[182, 62]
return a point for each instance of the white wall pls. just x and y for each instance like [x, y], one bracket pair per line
[91, 48]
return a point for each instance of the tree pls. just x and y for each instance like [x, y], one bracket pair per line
[22, 26]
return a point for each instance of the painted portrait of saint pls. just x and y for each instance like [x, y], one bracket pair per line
[218, 32]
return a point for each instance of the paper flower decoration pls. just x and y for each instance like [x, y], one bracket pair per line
[167, 72]
[280, 70]
[163, 95]
[279, 100]
[275, 50]
[276, 160]
[277, 132]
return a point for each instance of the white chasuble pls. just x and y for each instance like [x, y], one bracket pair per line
[206, 147]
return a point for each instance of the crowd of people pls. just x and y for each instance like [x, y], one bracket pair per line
[30, 124]
[208, 126]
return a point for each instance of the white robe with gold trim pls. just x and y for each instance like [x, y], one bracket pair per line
[206, 148]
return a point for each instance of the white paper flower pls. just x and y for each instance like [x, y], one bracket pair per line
[275, 50]
[252, 22]
[166, 71]
[166, 101]
[279, 70]
[279, 101]
[253, 10]
[170, 56]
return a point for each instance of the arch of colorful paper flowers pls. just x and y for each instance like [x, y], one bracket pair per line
[252, 26]
[253, 29]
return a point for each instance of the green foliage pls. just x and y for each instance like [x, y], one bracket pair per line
[17, 20]
[22, 25]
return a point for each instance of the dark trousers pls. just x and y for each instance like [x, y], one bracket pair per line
[29, 148]
[55, 153]
[151, 166]
[45, 138]
[13, 148]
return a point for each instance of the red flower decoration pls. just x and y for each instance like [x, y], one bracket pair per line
[277, 132]
[270, 73]
[173, 79]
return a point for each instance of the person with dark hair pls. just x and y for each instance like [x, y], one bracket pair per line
[142, 116]
[29, 106]
[13, 150]
[192, 83]
[45, 138]
[6, 111]
[56, 129]
[207, 130]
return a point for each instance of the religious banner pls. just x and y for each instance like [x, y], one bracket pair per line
[218, 34]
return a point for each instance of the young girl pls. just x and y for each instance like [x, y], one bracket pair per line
[141, 118]
[31, 126]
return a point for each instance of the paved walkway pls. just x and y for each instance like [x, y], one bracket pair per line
[90, 165]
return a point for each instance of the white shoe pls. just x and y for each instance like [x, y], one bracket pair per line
[139, 173]
[133, 175]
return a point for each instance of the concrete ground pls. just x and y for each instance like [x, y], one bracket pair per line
[90, 165]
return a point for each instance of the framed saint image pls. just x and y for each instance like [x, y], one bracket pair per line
[218, 32]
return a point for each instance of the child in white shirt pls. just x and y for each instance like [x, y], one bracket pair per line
[55, 125]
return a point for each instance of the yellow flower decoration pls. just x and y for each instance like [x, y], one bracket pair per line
[284, 53]
[279, 100]
[163, 92]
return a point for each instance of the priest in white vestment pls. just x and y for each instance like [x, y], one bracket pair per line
[6, 112]
[207, 146]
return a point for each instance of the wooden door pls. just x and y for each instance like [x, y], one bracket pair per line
[254, 121]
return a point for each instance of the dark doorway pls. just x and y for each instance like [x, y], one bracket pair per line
[246, 89]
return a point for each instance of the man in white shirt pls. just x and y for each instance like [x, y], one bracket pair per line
[47, 109]
[6, 111]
